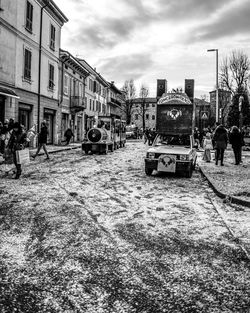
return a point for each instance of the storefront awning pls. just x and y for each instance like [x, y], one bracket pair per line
[8, 92]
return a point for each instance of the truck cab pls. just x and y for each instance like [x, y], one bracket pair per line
[171, 153]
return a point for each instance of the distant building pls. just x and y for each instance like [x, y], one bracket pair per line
[150, 112]
[225, 100]
[116, 101]
[30, 40]
[72, 101]
[203, 116]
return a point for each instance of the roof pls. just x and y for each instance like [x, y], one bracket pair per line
[68, 58]
[55, 9]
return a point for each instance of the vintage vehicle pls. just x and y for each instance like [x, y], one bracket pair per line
[171, 154]
[173, 148]
[130, 132]
[107, 135]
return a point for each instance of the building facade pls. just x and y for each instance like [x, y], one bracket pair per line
[203, 115]
[149, 105]
[31, 36]
[72, 103]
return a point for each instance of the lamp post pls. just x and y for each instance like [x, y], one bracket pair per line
[241, 99]
[217, 85]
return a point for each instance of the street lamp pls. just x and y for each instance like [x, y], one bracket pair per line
[241, 99]
[217, 85]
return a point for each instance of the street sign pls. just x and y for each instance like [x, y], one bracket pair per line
[204, 116]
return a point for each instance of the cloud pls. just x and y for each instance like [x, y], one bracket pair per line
[235, 21]
[125, 66]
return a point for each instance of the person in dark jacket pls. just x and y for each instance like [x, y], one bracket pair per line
[237, 141]
[68, 135]
[42, 140]
[220, 143]
[18, 141]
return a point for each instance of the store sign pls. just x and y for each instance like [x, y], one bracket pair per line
[49, 111]
[24, 106]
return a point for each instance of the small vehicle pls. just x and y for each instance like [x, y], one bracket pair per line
[172, 154]
[130, 132]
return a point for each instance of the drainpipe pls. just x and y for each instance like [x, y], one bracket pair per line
[39, 64]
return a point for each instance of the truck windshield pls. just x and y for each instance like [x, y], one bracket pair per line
[173, 140]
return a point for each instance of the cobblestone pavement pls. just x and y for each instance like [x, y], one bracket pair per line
[93, 233]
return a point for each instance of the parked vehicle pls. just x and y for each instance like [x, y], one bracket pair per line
[173, 148]
[131, 132]
[107, 135]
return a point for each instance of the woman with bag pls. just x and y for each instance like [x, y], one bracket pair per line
[42, 140]
[17, 142]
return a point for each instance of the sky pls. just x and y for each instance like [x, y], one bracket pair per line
[147, 40]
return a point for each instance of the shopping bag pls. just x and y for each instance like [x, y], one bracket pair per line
[23, 156]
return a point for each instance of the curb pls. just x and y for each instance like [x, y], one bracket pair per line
[59, 150]
[220, 194]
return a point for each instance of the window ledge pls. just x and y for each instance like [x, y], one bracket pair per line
[27, 80]
[29, 30]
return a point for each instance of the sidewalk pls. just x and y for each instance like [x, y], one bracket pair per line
[54, 149]
[230, 181]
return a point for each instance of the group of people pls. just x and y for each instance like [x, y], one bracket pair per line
[149, 136]
[14, 137]
[219, 139]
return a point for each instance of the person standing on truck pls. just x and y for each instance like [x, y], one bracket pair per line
[220, 143]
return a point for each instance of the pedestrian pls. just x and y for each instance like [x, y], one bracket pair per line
[220, 143]
[11, 123]
[196, 138]
[17, 141]
[68, 135]
[146, 135]
[207, 145]
[237, 141]
[42, 140]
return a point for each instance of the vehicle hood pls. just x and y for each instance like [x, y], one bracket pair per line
[164, 149]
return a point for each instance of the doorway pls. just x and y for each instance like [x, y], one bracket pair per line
[49, 118]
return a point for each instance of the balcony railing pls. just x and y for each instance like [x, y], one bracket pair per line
[114, 101]
[77, 103]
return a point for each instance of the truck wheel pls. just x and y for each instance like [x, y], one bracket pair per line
[189, 172]
[148, 171]
[86, 151]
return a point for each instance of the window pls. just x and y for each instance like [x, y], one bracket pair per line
[52, 37]
[90, 104]
[51, 76]
[147, 116]
[147, 105]
[66, 84]
[153, 105]
[27, 64]
[29, 16]
[136, 116]
[153, 117]
[80, 90]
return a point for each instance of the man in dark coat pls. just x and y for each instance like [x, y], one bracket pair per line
[42, 140]
[68, 135]
[220, 139]
[17, 142]
[237, 141]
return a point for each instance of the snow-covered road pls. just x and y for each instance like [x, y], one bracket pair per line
[101, 219]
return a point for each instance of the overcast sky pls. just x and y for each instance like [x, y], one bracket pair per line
[152, 39]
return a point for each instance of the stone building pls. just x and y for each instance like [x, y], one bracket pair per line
[149, 105]
[203, 116]
[72, 100]
[29, 57]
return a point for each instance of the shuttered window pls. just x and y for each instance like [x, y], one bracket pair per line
[27, 64]
[51, 76]
[29, 16]
[52, 37]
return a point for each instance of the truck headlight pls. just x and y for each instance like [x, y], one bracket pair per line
[184, 157]
[151, 155]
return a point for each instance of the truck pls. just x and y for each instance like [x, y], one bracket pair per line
[173, 149]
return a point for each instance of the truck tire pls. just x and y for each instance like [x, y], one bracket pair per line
[189, 172]
[148, 171]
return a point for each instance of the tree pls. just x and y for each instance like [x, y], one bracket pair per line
[130, 93]
[234, 76]
[141, 107]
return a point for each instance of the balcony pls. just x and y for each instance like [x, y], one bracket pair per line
[113, 101]
[77, 104]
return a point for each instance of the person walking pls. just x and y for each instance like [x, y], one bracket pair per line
[207, 145]
[237, 141]
[42, 140]
[68, 135]
[17, 141]
[220, 139]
